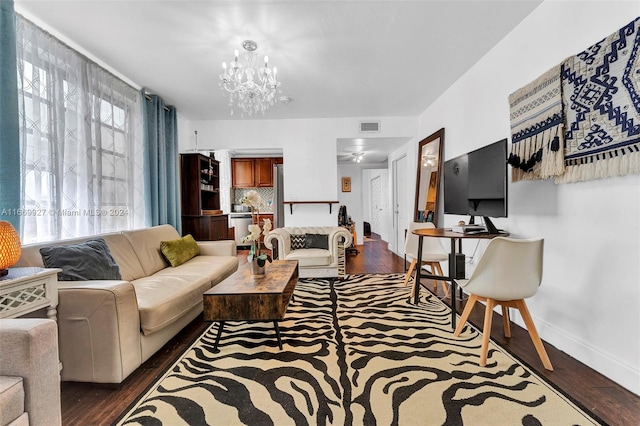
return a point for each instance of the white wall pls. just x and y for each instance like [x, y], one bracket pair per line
[309, 154]
[589, 301]
[353, 200]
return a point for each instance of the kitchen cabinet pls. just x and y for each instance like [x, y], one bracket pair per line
[243, 172]
[264, 171]
[253, 172]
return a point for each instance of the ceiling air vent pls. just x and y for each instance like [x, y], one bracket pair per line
[372, 126]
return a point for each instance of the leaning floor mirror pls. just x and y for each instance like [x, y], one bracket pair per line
[428, 178]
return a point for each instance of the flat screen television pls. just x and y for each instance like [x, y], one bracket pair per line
[475, 184]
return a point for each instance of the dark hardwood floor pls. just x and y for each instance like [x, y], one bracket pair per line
[89, 404]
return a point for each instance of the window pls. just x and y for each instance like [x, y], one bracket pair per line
[81, 143]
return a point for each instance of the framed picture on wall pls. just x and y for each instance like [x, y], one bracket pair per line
[346, 184]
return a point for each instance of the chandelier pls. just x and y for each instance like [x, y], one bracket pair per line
[429, 160]
[253, 90]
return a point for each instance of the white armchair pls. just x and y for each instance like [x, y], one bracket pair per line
[319, 250]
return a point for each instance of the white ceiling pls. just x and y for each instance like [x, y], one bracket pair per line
[334, 58]
[375, 150]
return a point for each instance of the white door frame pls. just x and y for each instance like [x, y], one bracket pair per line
[398, 203]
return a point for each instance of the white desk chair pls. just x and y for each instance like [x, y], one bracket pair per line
[432, 254]
[508, 272]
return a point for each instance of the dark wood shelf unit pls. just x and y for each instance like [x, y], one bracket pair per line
[200, 193]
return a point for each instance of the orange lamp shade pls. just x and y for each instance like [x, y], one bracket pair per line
[10, 247]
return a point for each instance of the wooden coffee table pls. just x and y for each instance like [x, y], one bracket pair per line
[247, 297]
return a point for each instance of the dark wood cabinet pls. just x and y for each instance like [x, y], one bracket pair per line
[262, 218]
[242, 173]
[219, 227]
[200, 198]
[206, 227]
[253, 172]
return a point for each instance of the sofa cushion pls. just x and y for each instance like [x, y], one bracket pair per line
[125, 257]
[320, 241]
[298, 242]
[310, 257]
[179, 251]
[166, 295]
[146, 245]
[165, 298]
[11, 399]
[216, 268]
[89, 260]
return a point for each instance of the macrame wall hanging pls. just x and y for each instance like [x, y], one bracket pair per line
[537, 129]
[581, 119]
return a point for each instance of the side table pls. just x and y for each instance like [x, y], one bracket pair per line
[25, 290]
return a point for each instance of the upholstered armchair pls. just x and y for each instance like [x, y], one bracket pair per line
[29, 372]
[319, 250]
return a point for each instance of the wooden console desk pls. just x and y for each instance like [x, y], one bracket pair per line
[454, 237]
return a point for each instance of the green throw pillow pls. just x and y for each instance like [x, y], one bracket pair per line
[179, 251]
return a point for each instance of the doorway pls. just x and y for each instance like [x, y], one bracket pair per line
[400, 197]
[376, 204]
[377, 200]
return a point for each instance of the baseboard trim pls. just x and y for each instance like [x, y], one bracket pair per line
[603, 362]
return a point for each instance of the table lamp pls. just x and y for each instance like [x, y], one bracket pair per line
[10, 247]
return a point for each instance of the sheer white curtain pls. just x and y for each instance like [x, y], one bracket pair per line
[81, 142]
[224, 157]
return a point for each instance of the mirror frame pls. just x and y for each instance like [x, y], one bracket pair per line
[438, 138]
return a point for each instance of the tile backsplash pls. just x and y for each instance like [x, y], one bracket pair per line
[265, 193]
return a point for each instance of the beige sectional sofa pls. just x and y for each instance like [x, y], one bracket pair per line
[108, 328]
[314, 260]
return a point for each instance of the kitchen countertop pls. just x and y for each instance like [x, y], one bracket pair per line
[248, 213]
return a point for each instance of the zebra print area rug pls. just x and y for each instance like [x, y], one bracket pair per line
[356, 352]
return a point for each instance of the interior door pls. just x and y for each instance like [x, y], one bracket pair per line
[400, 197]
[376, 205]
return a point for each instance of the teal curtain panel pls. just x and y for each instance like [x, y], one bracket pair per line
[160, 134]
[9, 120]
